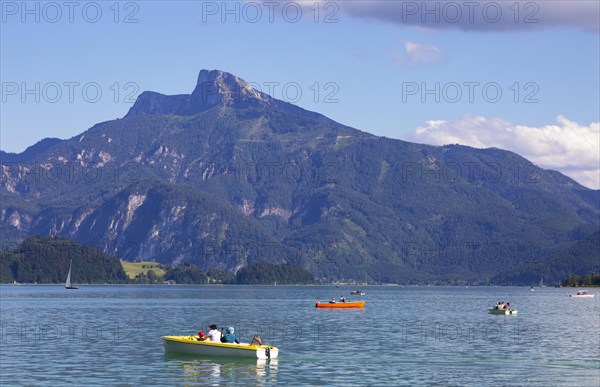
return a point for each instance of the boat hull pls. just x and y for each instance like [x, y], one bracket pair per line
[502, 311]
[340, 305]
[581, 295]
[189, 345]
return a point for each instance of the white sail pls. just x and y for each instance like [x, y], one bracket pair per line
[68, 282]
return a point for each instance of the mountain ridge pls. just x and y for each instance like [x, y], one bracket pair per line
[341, 202]
[31, 151]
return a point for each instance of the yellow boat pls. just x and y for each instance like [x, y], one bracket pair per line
[191, 346]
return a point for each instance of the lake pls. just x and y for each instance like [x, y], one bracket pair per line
[110, 335]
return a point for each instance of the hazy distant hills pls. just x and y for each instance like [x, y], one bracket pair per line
[580, 258]
[227, 175]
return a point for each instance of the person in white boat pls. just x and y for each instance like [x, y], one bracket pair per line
[230, 336]
[214, 334]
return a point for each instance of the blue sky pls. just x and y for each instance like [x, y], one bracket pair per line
[378, 66]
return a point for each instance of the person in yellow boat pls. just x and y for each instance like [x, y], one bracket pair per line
[230, 336]
[201, 336]
[214, 334]
[256, 339]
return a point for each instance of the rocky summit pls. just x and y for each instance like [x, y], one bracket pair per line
[214, 88]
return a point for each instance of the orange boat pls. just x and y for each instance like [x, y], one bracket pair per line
[342, 305]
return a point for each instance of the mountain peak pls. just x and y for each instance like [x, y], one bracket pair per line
[213, 88]
[220, 87]
[223, 79]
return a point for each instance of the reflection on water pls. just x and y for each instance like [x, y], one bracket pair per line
[215, 370]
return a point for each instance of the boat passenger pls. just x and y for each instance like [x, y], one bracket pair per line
[201, 336]
[214, 334]
[230, 337]
[256, 339]
[342, 299]
[332, 301]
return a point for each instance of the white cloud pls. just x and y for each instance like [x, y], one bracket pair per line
[482, 15]
[416, 53]
[566, 146]
[422, 53]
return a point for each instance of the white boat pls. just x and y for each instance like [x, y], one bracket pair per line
[358, 292]
[509, 311]
[68, 284]
[191, 346]
[582, 294]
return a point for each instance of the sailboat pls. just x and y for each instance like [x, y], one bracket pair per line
[68, 284]
[542, 284]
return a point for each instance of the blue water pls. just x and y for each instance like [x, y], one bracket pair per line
[110, 335]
